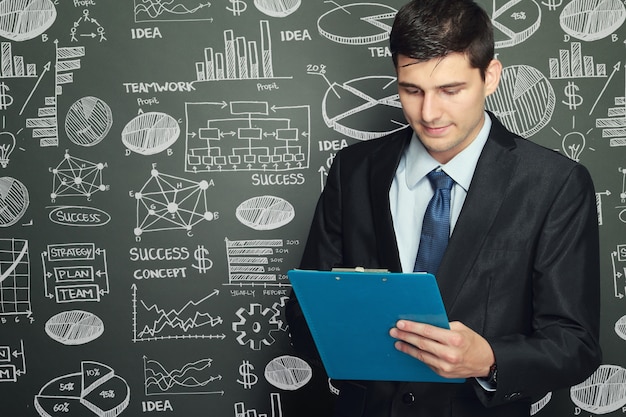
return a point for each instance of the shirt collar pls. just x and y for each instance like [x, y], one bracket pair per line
[418, 162]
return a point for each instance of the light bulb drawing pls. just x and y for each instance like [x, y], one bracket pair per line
[7, 144]
[573, 144]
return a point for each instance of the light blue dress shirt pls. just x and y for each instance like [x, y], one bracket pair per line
[411, 190]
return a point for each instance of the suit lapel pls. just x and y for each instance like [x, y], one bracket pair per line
[383, 168]
[494, 171]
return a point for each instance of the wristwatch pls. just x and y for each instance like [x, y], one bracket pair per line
[492, 378]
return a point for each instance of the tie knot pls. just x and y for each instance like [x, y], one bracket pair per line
[440, 180]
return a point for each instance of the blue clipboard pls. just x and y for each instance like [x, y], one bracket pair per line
[350, 314]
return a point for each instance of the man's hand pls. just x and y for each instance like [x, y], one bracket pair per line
[456, 353]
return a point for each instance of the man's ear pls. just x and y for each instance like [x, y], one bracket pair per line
[492, 76]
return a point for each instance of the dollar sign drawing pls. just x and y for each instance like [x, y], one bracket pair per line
[204, 263]
[552, 4]
[249, 379]
[5, 99]
[574, 100]
[238, 7]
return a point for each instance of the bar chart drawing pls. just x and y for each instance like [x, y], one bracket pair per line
[571, 63]
[246, 136]
[45, 126]
[14, 66]
[241, 59]
[275, 404]
[614, 125]
[256, 262]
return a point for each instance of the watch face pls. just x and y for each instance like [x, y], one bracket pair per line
[493, 374]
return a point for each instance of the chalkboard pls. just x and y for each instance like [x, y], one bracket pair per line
[159, 166]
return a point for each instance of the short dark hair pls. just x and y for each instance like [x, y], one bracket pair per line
[427, 29]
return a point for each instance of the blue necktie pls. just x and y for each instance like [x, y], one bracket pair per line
[436, 224]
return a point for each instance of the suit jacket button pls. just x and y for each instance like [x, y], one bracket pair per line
[408, 398]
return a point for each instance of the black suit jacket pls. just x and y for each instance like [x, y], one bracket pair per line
[521, 269]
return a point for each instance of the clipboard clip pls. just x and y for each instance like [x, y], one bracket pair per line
[360, 269]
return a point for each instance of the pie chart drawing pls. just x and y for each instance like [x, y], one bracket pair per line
[620, 327]
[590, 20]
[21, 20]
[13, 201]
[94, 391]
[513, 21]
[364, 108]
[603, 392]
[150, 133]
[88, 121]
[277, 8]
[357, 23]
[524, 101]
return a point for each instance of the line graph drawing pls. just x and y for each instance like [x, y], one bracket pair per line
[171, 10]
[195, 377]
[190, 321]
[76, 177]
[246, 136]
[9, 371]
[357, 23]
[15, 294]
[166, 202]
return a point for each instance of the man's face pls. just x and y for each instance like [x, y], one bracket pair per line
[443, 99]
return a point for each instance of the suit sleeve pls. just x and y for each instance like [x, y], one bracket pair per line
[323, 251]
[563, 348]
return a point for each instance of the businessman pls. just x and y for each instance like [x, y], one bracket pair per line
[519, 275]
